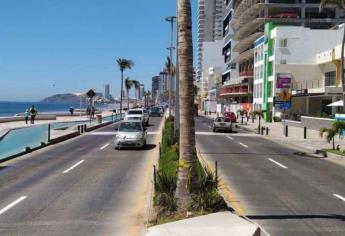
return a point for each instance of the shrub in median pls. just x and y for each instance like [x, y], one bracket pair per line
[206, 198]
[166, 177]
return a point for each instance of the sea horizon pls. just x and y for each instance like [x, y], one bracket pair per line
[11, 108]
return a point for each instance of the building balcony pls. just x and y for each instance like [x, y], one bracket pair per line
[247, 73]
[235, 91]
[245, 56]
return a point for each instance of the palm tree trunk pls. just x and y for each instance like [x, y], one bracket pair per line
[127, 100]
[333, 143]
[186, 171]
[121, 92]
[177, 98]
[342, 69]
[170, 89]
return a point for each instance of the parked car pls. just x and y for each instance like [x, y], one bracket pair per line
[230, 115]
[138, 115]
[130, 134]
[222, 124]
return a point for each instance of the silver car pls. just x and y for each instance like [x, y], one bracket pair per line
[223, 124]
[130, 134]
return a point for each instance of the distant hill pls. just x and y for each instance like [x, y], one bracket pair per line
[62, 98]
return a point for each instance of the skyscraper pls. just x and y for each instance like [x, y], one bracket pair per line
[155, 86]
[210, 26]
[107, 91]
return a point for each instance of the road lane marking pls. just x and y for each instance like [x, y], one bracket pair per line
[242, 144]
[153, 133]
[277, 163]
[72, 167]
[106, 145]
[340, 197]
[209, 127]
[229, 137]
[3, 210]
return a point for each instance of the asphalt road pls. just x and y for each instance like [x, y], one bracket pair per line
[284, 193]
[80, 187]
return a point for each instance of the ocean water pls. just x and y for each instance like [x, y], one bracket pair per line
[13, 108]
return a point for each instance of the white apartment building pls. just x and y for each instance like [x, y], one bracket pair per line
[259, 63]
[210, 28]
[308, 60]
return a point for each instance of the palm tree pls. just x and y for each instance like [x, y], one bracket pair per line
[242, 112]
[337, 129]
[341, 4]
[331, 133]
[170, 69]
[128, 85]
[123, 65]
[147, 99]
[136, 84]
[187, 151]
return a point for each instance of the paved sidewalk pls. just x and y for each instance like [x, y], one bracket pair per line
[21, 124]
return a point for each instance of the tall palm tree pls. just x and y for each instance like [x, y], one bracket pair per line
[187, 165]
[128, 85]
[170, 69]
[123, 65]
[341, 4]
[136, 84]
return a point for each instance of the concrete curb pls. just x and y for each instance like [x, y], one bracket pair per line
[4, 133]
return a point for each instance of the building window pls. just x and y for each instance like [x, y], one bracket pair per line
[330, 78]
[283, 43]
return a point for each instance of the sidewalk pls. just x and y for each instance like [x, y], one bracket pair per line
[21, 124]
[295, 137]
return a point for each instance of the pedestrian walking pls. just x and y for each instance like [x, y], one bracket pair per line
[88, 111]
[33, 113]
[26, 116]
[71, 110]
[93, 110]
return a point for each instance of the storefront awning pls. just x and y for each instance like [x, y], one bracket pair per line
[339, 103]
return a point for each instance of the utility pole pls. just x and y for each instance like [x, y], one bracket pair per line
[171, 20]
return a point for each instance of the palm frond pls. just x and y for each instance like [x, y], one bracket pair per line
[124, 64]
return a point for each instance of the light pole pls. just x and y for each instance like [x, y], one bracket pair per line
[171, 20]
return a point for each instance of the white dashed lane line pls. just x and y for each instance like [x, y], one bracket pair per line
[106, 145]
[229, 137]
[242, 144]
[339, 197]
[277, 163]
[72, 167]
[3, 210]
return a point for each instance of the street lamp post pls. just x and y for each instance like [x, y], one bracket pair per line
[171, 20]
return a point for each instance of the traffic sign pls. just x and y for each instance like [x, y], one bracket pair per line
[284, 105]
[91, 93]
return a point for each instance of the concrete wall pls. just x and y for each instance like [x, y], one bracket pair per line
[18, 118]
[313, 123]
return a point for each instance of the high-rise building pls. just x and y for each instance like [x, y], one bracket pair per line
[210, 26]
[107, 91]
[155, 87]
[162, 86]
[244, 23]
[141, 91]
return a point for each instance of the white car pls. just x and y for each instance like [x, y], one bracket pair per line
[130, 134]
[137, 115]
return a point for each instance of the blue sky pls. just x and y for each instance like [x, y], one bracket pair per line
[60, 46]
